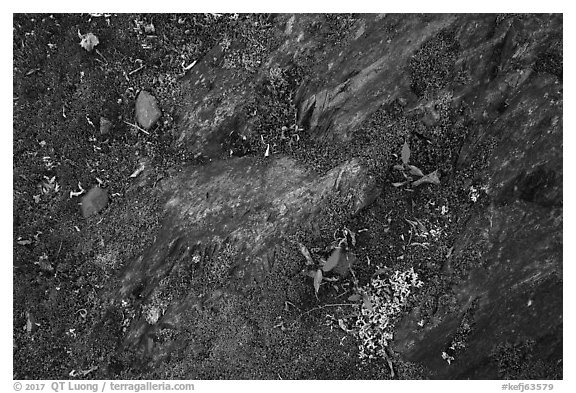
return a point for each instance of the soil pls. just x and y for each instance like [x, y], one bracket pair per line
[79, 311]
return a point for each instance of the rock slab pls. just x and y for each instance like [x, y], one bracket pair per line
[147, 110]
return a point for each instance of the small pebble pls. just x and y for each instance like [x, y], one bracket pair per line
[147, 110]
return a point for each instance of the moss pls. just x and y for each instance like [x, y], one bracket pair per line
[519, 361]
[432, 67]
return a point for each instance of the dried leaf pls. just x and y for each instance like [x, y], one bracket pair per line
[415, 171]
[398, 167]
[24, 242]
[405, 153]
[355, 297]
[306, 254]
[400, 184]
[89, 41]
[333, 260]
[317, 280]
[149, 29]
[432, 178]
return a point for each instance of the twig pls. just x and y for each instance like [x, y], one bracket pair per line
[59, 248]
[321, 307]
[136, 70]
[342, 294]
[137, 127]
[189, 66]
[101, 55]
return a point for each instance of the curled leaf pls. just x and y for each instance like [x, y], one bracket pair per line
[432, 178]
[399, 184]
[405, 153]
[317, 280]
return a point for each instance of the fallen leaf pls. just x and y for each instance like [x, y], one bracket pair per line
[405, 153]
[24, 242]
[306, 254]
[317, 281]
[149, 29]
[333, 260]
[400, 184]
[367, 303]
[28, 322]
[414, 170]
[398, 167]
[345, 263]
[89, 41]
[355, 297]
[432, 178]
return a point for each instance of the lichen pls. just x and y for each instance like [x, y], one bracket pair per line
[384, 300]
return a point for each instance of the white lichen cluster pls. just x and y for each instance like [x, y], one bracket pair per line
[384, 299]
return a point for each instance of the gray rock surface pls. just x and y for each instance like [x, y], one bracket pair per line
[147, 110]
[479, 99]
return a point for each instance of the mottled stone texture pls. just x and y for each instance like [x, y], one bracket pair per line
[506, 73]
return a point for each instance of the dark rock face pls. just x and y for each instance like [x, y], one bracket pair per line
[489, 85]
